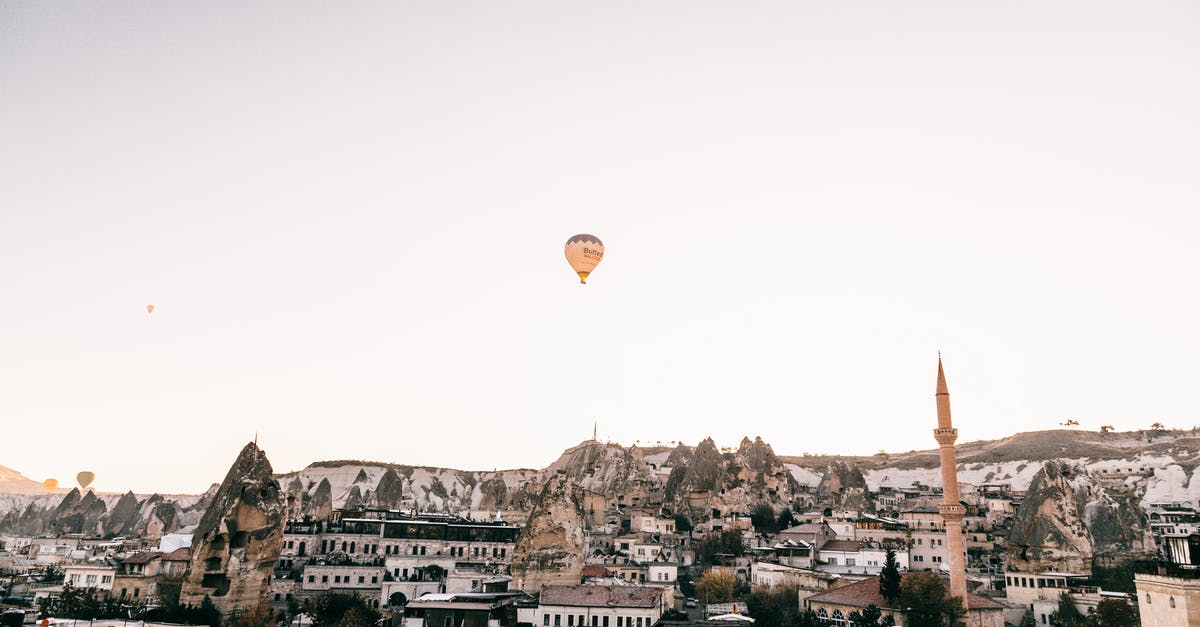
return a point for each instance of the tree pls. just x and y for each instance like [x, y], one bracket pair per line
[773, 606]
[869, 617]
[206, 614]
[889, 578]
[927, 602]
[716, 586]
[1158, 426]
[260, 616]
[727, 542]
[1106, 429]
[1114, 613]
[763, 518]
[1067, 614]
[682, 524]
[786, 519]
[333, 609]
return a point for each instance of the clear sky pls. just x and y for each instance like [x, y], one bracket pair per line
[350, 217]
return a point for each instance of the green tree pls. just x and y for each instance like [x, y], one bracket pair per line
[889, 577]
[260, 616]
[927, 602]
[728, 541]
[333, 609]
[786, 519]
[206, 614]
[1114, 613]
[869, 617]
[773, 606]
[682, 524]
[1067, 614]
[716, 586]
[764, 519]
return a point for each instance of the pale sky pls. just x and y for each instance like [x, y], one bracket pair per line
[350, 217]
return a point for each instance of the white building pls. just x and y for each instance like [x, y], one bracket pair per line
[857, 558]
[602, 606]
[95, 576]
[652, 524]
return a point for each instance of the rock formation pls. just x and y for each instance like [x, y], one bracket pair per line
[1049, 531]
[389, 493]
[238, 540]
[550, 549]
[843, 487]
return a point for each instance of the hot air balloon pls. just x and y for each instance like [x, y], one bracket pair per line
[85, 478]
[584, 252]
[149, 308]
[50, 485]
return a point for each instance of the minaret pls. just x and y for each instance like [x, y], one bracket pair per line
[952, 510]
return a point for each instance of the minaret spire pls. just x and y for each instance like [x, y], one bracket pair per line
[951, 508]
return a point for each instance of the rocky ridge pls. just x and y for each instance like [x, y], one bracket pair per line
[1109, 477]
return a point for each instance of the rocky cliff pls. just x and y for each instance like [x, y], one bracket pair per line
[550, 549]
[238, 540]
[1112, 478]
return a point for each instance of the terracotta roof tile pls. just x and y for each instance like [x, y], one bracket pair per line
[182, 554]
[842, 545]
[601, 596]
[866, 592]
[142, 558]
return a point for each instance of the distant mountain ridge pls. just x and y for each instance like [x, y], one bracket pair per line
[1113, 478]
[13, 482]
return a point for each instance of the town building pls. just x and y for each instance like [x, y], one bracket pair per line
[602, 606]
[835, 606]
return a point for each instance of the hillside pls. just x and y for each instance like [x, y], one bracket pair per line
[1124, 471]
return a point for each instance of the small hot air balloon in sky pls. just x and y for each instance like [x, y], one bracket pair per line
[85, 478]
[584, 252]
[149, 308]
[50, 485]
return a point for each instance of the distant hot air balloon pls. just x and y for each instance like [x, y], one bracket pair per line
[85, 478]
[149, 308]
[584, 252]
[50, 485]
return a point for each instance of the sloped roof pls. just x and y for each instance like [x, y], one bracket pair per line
[601, 596]
[806, 528]
[182, 554]
[842, 545]
[142, 558]
[866, 592]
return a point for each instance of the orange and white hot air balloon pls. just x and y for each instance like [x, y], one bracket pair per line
[149, 308]
[50, 485]
[584, 253]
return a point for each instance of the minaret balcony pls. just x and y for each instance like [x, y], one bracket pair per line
[952, 510]
[945, 436]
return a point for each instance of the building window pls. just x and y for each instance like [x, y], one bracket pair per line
[557, 620]
[570, 619]
[1171, 601]
[324, 578]
[1147, 598]
[312, 578]
[604, 621]
[545, 619]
